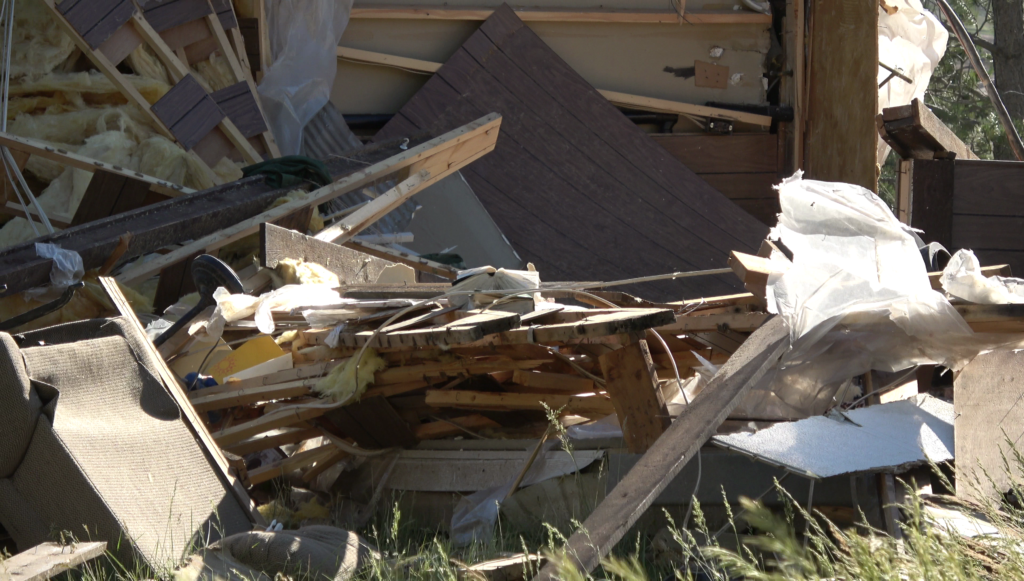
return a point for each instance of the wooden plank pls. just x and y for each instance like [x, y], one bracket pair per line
[435, 371]
[665, 106]
[487, 125]
[582, 325]
[988, 412]
[469, 329]
[914, 132]
[841, 137]
[62, 156]
[557, 382]
[49, 560]
[726, 154]
[288, 465]
[454, 427]
[632, 383]
[931, 193]
[990, 188]
[416, 262]
[189, 415]
[251, 395]
[268, 442]
[417, 12]
[666, 458]
[479, 400]
[378, 58]
[99, 198]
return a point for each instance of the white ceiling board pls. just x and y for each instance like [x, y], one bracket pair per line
[891, 437]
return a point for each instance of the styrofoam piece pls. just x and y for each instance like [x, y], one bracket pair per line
[891, 437]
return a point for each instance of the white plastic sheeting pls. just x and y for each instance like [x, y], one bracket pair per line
[890, 437]
[911, 40]
[304, 38]
[962, 278]
[855, 297]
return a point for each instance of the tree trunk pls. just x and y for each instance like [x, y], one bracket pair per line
[1008, 61]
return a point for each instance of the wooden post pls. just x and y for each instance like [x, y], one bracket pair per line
[632, 383]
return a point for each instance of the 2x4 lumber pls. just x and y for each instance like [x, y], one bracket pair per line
[437, 370]
[752, 270]
[177, 393]
[48, 560]
[377, 58]
[485, 126]
[407, 12]
[294, 462]
[556, 382]
[480, 400]
[665, 106]
[453, 427]
[632, 383]
[252, 395]
[665, 459]
[64, 157]
[267, 442]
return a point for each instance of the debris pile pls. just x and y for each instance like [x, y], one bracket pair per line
[222, 305]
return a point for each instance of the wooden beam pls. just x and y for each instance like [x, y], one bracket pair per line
[752, 270]
[664, 106]
[928, 188]
[480, 400]
[267, 442]
[453, 427]
[296, 461]
[914, 132]
[49, 560]
[555, 382]
[632, 383]
[439, 147]
[659, 466]
[416, 262]
[378, 58]
[64, 157]
[613, 15]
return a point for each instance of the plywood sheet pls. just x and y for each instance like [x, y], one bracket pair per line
[575, 186]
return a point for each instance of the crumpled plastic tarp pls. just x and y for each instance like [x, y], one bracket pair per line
[304, 38]
[962, 279]
[856, 297]
[911, 40]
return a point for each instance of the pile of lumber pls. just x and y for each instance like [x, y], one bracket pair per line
[440, 371]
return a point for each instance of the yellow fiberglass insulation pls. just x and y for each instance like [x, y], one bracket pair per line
[144, 62]
[216, 71]
[296, 271]
[341, 385]
[96, 88]
[89, 302]
[39, 45]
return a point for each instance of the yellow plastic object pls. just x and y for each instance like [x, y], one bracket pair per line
[250, 354]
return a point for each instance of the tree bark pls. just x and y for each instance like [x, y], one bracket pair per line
[1008, 56]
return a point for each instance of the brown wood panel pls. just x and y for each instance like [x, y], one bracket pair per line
[930, 198]
[989, 232]
[736, 153]
[167, 15]
[100, 196]
[989, 187]
[175, 282]
[250, 29]
[842, 77]
[744, 185]
[373, 424]
[239, 104]
[134, 194]
[567, 160]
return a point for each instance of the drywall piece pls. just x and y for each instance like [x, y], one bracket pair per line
[451, 216]
[988, 394]
[893, 437]
[575, 186]
[469, 471]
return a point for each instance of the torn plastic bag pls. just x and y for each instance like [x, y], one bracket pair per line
[855, 297]
[962, 279]
[304, 36]
[231, 308]
[67, 265]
